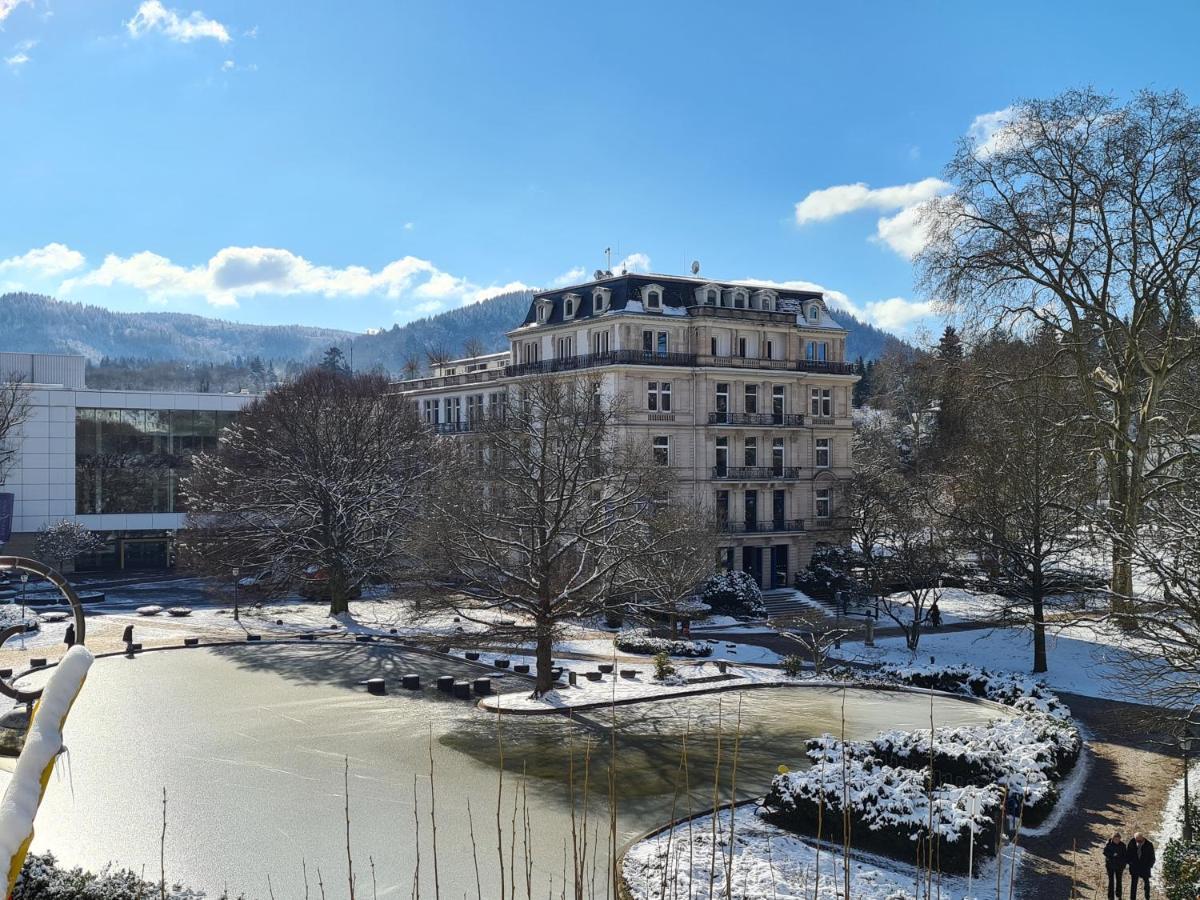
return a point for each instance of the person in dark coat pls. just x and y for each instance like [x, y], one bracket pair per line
[935, 615]
[69, 637]
[127, 637]
[1140, 856]
[1013, 808]
[1116, 857]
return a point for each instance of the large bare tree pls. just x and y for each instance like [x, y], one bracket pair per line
[320, 477]
[547, 513]
[1019, 486]
[14, 411]
[1083, 214]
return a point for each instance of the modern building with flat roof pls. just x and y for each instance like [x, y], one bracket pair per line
[110, 460]
[742, 389]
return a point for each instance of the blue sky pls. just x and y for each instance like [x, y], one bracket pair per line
[360, 164]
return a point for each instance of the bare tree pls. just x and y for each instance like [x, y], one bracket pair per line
[1082, 214]
[473, 346]
[437, 355]
[317, 479]
[61, 542]
[877, 480]
[544, 514]
[412, 367]
[1020, 487]
[678, 558]
[14, 411]
[818, 635]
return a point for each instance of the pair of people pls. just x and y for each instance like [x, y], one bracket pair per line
[1137, 855]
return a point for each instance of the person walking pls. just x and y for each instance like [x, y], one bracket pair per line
[1013, 807]
[69, 637]
[1116, 857]
[1140, 856]
[935, 615]
[127, 637]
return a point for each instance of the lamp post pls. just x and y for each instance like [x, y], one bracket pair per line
[1186, 746]
[236, 572]
[24, 581]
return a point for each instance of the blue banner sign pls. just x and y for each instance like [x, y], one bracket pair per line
[6, 517]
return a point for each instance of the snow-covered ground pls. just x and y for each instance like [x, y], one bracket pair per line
[770, 862]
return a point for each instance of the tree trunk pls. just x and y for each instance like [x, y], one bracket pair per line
[339, 593]
[545, 659]
[1039, 636]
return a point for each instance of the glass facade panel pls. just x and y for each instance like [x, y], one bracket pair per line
[131, 460]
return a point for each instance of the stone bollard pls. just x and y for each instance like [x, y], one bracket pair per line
[521, 668]
[37, 662]
[472, 655]
[870, 641]
[629, 673]
[5, 673]
[594, 676]
[191, 642]
[482, 686]
[573, 678]
[606, 668]
[254, 637]
[501, 663]
[376, 686]
[462, 689]
[279, 621]
[445, 683]
[411, 681]
[556, 672]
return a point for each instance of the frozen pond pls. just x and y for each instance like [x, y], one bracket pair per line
[249, 742]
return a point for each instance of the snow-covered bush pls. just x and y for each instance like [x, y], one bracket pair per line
[733, 594]
[890, 807]
[828, 572]
[179, 611]
[41, 878]
[638, 640]
[1181, 870]
[10, 616]
[662, 666]
[148, 610]
[1010, 688]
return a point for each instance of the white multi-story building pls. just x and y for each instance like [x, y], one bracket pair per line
[743, 390]
[110, 460]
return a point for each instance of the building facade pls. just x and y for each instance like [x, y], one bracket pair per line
[110, 460]
[743, 390]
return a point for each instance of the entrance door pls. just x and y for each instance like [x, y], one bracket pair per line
[752, 563]
[779, 566]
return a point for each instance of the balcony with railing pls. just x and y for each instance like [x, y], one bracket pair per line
[767, 420]
[756, 473]
[771, 526]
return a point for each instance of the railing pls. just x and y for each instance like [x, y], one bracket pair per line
[608, 358]
[786, 420]
[755, 473]
[775, 526]
[454, 427]
[746, 362]
[825, 366]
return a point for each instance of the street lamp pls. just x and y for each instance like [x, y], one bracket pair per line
[24, 581]
[236, 573]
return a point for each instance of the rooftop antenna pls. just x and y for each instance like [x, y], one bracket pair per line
[608, 259]
[695, 267]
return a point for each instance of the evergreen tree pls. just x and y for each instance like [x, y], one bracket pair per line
[334, 361]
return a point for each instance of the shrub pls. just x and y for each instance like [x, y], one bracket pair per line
[828, 573]
[638, 640]
[1018, 691]
[793, 665]
[733, 594]
[41, 878]
[662, 665]
[1181, 870]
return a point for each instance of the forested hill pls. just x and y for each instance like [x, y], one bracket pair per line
[39, 324]
[34, 323]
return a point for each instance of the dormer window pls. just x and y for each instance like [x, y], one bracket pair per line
[708, 295]
[710, 298]
[570, 305]
[652, 298]
[764, 300]
[600, 297]
[543, 311]
[739, 299]
[814, 313]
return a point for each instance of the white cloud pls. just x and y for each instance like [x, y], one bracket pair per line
[991, 131]
[228, 65]
[634, 262]
[234, 273]
[831, 202]
[153, 16]
[408, 226]
[904, 232]
[53, 259]
[571, 276]
[7, 6]
[17, 60]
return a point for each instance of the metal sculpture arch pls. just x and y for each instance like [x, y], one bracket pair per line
[33, 567]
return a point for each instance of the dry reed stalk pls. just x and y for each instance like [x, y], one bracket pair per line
[474, 852]
[349, 856]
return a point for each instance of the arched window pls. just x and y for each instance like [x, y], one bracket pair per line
[814, 313]
[739, 300]
[653, 299]
[710, 298]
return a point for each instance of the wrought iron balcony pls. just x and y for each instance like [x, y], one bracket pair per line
[775, 420]
[771, 526]
[756, 473]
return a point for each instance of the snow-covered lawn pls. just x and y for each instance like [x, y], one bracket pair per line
[1081, 659]
[770, 862]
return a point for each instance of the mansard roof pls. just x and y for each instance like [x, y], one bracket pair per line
[679, 293]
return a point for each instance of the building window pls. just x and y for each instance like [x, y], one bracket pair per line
[713, 346]
[662, 450]
[814, 313]
[653, 300]
[821, 503]
[816, 351]
[569, 306]
[430, 411]
[658, 396]
[778, 406]
[742, 347]
[474, 408]
[751, 399]
[648, 341]
[777, 456]
[599, 300]
[751, 452]
[822, 454]
[661, 343]
[722, 398]
[739, 300]
[821, 402]
[566, 347]
[722, 506]
[600, 342]
[710, 298]
[722, 460]
[769, 349]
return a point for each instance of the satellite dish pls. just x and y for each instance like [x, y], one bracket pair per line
[598, 274]
[695, 267]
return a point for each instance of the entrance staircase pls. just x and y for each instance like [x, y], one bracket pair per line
[788, 602]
